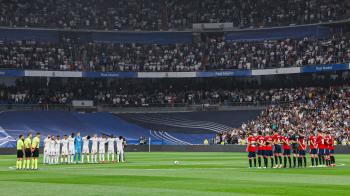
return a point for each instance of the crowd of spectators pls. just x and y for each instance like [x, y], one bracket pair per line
[211, 54]
[308, 110]
[134, 94]
[167, 14]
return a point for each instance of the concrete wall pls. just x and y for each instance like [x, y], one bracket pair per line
[186, 148]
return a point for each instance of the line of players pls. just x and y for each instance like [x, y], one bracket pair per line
[67, 150]
[269, 146]
[74, 149]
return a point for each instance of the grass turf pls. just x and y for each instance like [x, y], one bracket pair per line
[155, 174]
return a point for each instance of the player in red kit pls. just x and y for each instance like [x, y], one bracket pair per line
[321, 147]
[268, 148]
[286, 150]
[313, 149]
[327, 141]
[331, 151]
[302, 151]
[261, 149]
[251, 149]
[278, 150]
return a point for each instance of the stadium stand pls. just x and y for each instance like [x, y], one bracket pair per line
[154, 15]
[112, 52]
[214, 53]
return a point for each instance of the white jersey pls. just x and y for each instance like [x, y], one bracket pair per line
[85, 145]
[110, 142]
[94, 146]
[52, 147]
[101, 145]
[47, 142]
[119, 144]
[64, 147]
[58, 147]
[71, 149]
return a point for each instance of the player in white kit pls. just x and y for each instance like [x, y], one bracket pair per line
[94, 148]
[64, 150]
[71, 148]
[120, 149]
[110, 150]
[52, 151]
[46, 149]
[57, 149]
[101, 147]
[85, 151]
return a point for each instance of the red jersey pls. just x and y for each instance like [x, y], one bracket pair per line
[313, 142]
[261, 140]
[327, 141]
[320, 142]
[286, 143]
[331, 147]
[268, 142]
[251, 144]
[302, 143]
[277, 138]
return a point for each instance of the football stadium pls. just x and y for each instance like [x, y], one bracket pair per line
[174, 97]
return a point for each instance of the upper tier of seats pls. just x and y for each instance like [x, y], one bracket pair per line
[155, 15]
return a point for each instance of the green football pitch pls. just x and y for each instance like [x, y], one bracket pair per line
[156, 174]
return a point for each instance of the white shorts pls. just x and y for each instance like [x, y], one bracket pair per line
[102, 150]
[85, 150]
[93, 150]
[71, 151]
[111, 151]
[64, 151]
[53, 152]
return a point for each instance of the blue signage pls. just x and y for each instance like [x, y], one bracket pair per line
[109, 74]
[323, 68]
[228, 73]
[11, 73]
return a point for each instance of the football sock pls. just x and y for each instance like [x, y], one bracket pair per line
[316, 161]
[332, 159]
[250, 162]
[271, 162]
[112, 156]
[24, 163]
[82, 158]
[276, 161]
[28, 162]
[312, 161]
[33, 161]
[265, 161]
[290, 161]
[294, 161]
[259, 161]
[88, 158]
[285, 161]
[17, 164]
[280, 158]
[254, 162]
[36, 164]
[299, 161]
[304, 161]
[323, 160]
[20, 164]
